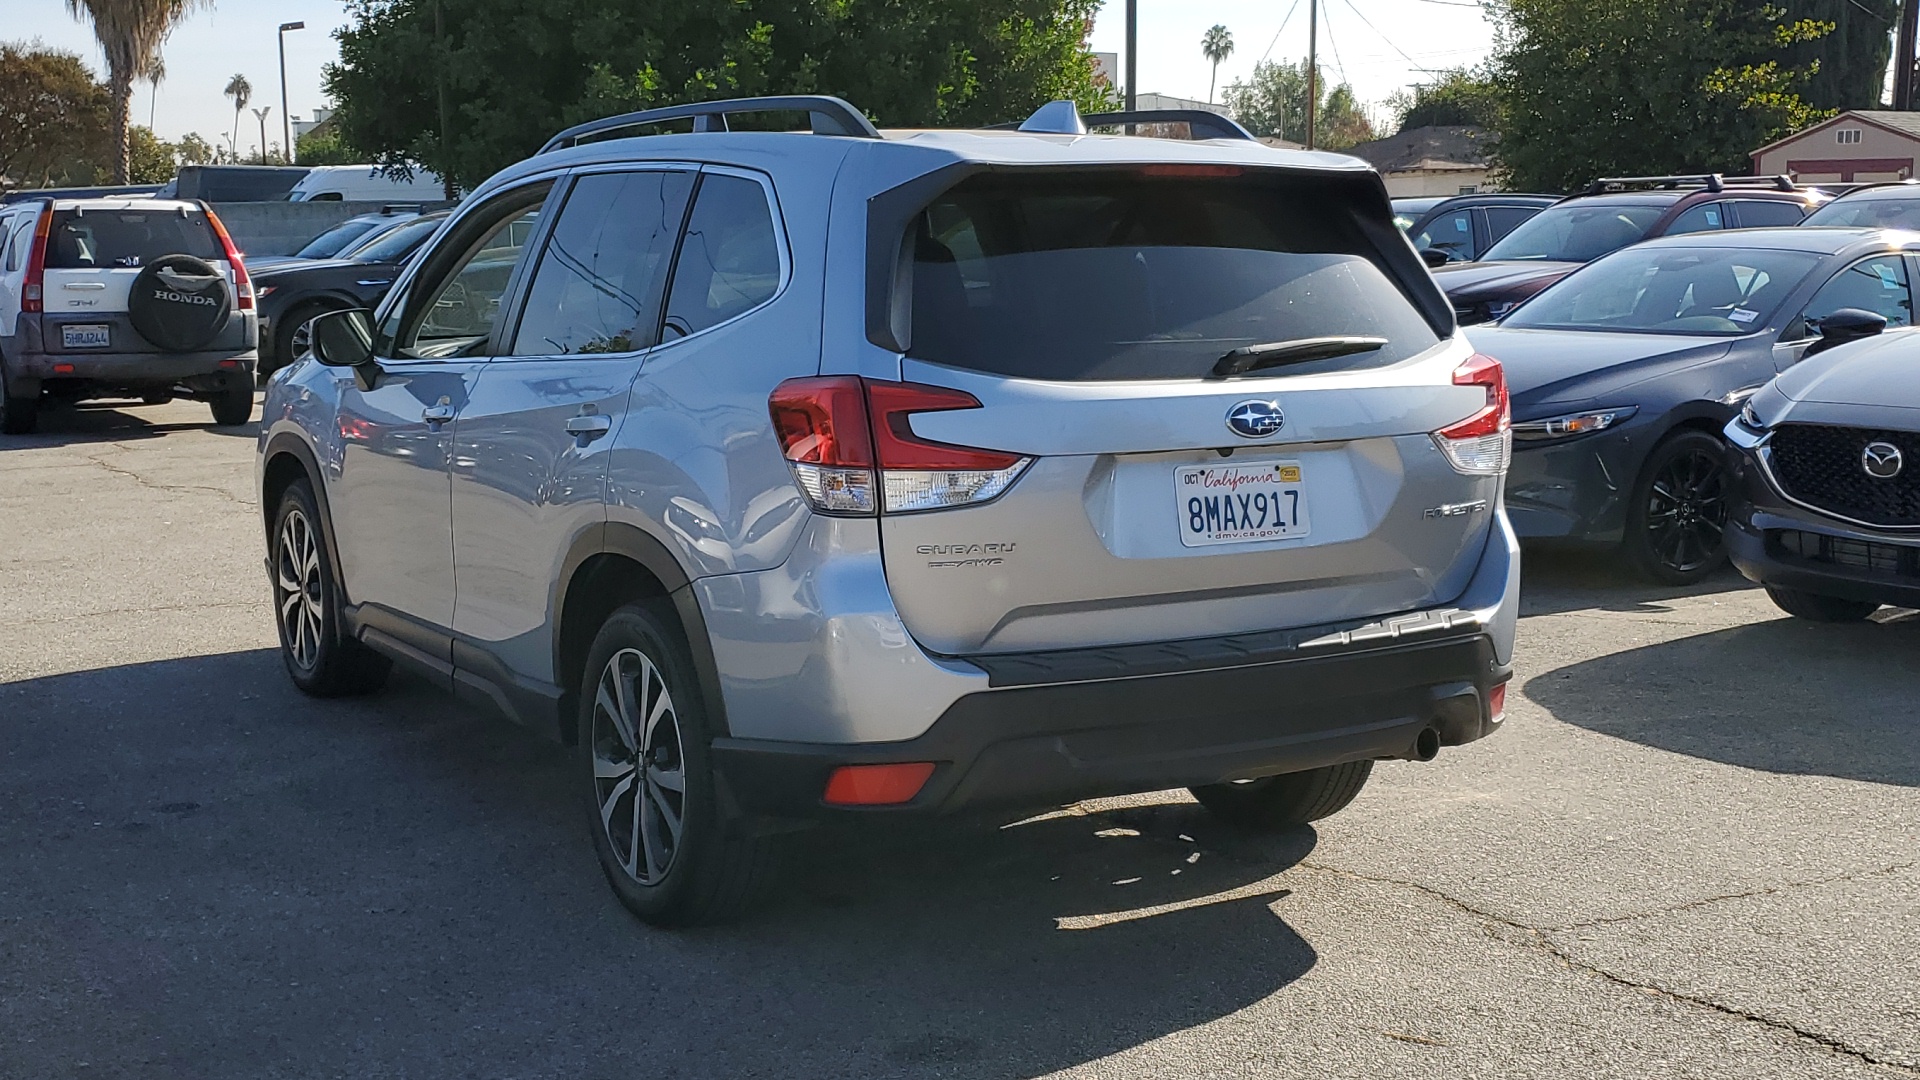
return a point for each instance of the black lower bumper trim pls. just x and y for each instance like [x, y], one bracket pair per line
[1054, 743]
[1829, 563]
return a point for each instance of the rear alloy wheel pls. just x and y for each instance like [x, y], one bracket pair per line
[233, 406]
[291, 339]
[1676, 528]
[1281, 802]
[320, 658]
[1817, 607]
[18, 415]
[668, 849]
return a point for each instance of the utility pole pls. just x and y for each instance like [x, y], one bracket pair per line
[1133, 47]
[1903, 55]
[1313, 65]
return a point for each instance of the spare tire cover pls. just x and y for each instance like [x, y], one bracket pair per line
[179, 302]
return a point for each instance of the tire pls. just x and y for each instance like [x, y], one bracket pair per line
[1817, 607]
[179, 303]
[284, 350]
[710, 868]
[18, 415]
[320, 659]
[1676, 525]
[234, 405]
[1281, 802]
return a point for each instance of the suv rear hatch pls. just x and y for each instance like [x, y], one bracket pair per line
[93, 255]
[1148, 489]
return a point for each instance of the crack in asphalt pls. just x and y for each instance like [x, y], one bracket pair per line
[143, 481]
[138, 611]
[1538, 938]
[1705, 901]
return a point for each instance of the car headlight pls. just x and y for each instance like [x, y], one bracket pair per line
[1566, 427]
[261, 292]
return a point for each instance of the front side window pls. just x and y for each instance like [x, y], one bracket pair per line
[392, 244]
[1900, 211]
[1702, 218]
[1451, 233]
[1577, 232]
[1120, 274]
[730, 259]
[1664, 290]
[1878, 285]
[598, 284]
[455, 303]
[1502, 220]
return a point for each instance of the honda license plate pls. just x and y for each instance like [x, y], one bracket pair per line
[86, 336]
[1241, 503]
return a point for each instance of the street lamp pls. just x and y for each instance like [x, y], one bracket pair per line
[261, 115]
[286, 119]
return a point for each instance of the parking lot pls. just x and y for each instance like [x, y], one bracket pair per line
[1693, 853]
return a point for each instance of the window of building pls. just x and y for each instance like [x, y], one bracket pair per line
[1847, 136]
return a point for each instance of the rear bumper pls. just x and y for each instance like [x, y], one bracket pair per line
[1053, 743]
[30, 368]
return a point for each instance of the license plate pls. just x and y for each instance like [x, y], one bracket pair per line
[90, 336]
[1240, 503]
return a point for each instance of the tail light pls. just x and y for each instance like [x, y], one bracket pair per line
[33, 295]
[853, 451]
[1482, 444]
[242, 284]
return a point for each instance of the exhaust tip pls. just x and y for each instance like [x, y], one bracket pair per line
[1426, 745]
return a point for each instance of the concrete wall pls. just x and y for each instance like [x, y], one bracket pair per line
[282, 228]
[1817, 155]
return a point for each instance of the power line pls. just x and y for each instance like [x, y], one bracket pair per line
[1335, 47]
[1277, 33]
[1388, 40]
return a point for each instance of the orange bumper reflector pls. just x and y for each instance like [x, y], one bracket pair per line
[1497, 701]
[877, 785]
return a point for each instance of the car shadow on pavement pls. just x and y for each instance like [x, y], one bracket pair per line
[1782, 696]
[1556, 579]
[61, 424]
[210, 875]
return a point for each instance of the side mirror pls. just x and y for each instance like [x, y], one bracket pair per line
[1435, 257]
[1845, 325]
[342, 338]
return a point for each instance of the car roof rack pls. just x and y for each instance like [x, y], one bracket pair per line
[1063, 118]
[1709, 181]
[828, 115]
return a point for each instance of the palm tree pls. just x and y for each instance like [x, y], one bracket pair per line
[240, 92]
[1216, 46]
[130, 33]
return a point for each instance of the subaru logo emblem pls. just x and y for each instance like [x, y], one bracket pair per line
[1255, 419]
[1882, 460]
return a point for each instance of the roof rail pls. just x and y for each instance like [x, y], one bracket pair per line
[1710, 181]
[1063, 118]
[829, 116]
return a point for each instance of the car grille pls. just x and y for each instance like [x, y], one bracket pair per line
[1892, 560]
[1821, 467]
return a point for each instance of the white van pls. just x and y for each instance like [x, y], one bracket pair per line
[364, 183]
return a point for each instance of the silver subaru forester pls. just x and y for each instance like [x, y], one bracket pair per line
[793, 474]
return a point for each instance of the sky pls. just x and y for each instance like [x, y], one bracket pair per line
[237, 36]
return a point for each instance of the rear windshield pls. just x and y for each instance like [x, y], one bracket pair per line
[1577, 232]
[395, 243]
[335, 240]
[102, 239]
[1894, 212]
[1130, 276]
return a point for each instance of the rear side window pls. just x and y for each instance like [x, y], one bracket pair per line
[1768, 213]
[598, 285]
[730, 260]
[105, 239]
[1099, 276]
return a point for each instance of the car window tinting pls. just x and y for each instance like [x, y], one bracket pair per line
[335, 240]
[1878, 285]
[730, 259]
[1451, 233]
[1768, 213]
[1670, 291]
[598, 285]
[1502, 220]
[1886, 213]
[106, 239]
[1577, 232]
[1120, 276]
[1705, 217]
[395, 243]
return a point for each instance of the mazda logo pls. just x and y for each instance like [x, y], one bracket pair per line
[1882, 460]
[1255, 419]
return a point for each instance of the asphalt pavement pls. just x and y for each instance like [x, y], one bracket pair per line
[1694, 852]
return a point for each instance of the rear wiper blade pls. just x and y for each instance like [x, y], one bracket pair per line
[1298, 351]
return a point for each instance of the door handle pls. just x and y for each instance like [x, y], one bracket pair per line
[437, 414]
[589, 426]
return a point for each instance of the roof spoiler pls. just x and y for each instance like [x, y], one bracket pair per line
[828, 115]
[1708, 181]
[1063, 118]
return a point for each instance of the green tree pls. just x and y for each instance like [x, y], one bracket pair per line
[1852, 60]
[1458, 97]
[1216, 46]
[1643, 87]
[467, 88]
[130, 33]
[53, 116]
[150, 159]
[322, 146]
[195, 150]
[240, 92]
[1273, 102]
